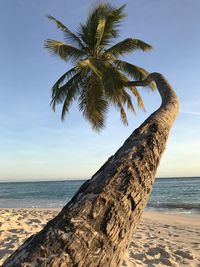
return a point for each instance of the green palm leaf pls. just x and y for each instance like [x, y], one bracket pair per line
[113, 82]
[135, 92]
[127, 100]
[72, 91]
[90, 64]
[69, 36]
[114, 17]
[87, 31]
[120, 102]
[125, 46]
[100, 32]
[134, 71]
[66, 93]
[65, 51]
[62, 79]
[109, 18]
[98, 78]
[93, 103]
[122, 113]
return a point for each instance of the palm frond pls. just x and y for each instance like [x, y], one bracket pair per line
[114, 17]
[152, 85]
[91, 64]
[67, 75]
[134, 71]
[135, 92]
[98, 78]
[138, 44]
[65, 51]
[113, 81]
[124, 99]
[69, 35]
[93, 103]
[126, 46]
[100, 32]
[104, 19]
[127, 100]
[72, 92]
[66, 93]
[87, 31]
[122, 113]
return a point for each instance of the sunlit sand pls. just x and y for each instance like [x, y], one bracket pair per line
[160, 240]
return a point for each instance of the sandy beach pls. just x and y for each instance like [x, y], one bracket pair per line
[160, 240]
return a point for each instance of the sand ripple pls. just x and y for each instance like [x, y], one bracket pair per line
[165, 240]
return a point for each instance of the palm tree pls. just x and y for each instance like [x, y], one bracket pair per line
[94, 229]
[98, 78]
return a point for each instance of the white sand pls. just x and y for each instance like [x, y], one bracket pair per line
[160, 240]
[165, 240]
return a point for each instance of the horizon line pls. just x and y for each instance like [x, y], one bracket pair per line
[83, 179]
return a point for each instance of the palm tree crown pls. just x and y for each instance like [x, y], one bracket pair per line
[99, 77]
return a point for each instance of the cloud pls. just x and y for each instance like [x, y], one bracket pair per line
[196, 113]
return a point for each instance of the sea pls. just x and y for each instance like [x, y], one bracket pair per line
[169, 195]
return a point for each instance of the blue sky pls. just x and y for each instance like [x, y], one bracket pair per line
[36, 145]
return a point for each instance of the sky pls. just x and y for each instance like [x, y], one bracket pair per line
[36, 145]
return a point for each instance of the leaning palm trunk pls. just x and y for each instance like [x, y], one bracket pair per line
[96, 226]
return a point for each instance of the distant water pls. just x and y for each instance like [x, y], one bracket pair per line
[179, 195]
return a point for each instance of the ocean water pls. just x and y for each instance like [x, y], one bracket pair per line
[178, 195]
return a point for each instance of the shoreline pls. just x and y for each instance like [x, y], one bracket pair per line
[147, 210]
[162, 239]
[181, 218]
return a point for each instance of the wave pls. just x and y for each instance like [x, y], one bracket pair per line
[182, 206]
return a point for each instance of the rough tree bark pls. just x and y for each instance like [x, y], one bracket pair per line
[95, 227]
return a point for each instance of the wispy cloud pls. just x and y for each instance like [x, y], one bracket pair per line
[196, 113]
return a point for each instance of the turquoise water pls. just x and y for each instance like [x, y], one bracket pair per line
[180, 195]
[176, 194]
